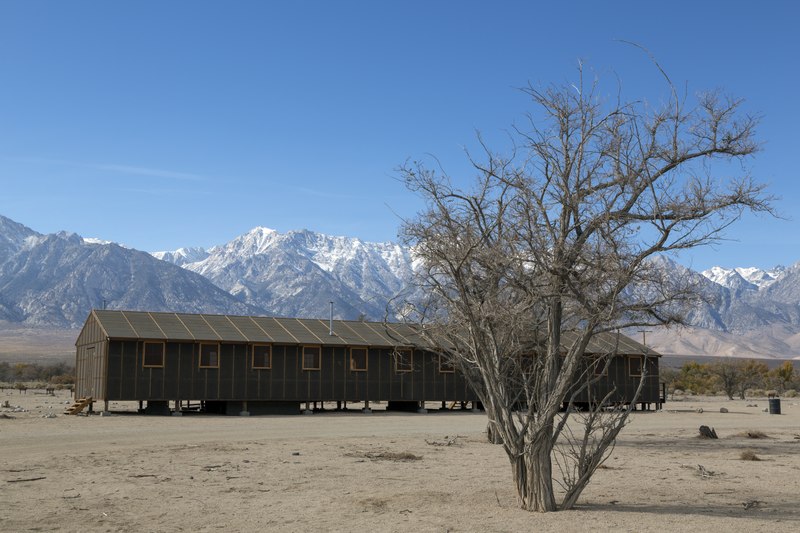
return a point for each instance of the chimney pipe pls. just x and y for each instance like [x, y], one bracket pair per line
[331, 319]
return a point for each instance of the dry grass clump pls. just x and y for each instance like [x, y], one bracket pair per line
[386, 456]
[754, 434]
[749, 455]
[399, 456]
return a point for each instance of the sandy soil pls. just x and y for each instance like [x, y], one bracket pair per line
[338, 472]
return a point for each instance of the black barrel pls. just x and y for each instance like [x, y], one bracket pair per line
[774, 406]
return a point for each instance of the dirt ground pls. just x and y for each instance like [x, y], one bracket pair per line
[380, 472]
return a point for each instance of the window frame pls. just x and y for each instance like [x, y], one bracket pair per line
[353, 367]
[447, 368]
[253, 356]
[631, 358]
[397, 359]
[318, 357]
[144, 354]
[200, 355]
[600, 368]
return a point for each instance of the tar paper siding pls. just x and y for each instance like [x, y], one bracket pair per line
[619, 379]
[182, 378]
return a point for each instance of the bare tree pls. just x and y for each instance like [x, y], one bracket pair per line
[555, 244]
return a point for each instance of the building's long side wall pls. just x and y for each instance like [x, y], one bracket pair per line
[182, 378]
[619, 380]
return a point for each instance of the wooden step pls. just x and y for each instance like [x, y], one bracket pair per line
[78, 406]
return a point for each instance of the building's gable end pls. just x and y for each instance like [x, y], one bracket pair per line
[92, 331]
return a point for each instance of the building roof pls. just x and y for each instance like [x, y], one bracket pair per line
[143, 325]
[252, 329]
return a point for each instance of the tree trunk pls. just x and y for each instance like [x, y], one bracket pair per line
[533, 475]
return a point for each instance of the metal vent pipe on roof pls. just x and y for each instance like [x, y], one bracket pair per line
[330, 322]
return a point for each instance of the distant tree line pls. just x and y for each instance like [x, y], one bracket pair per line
[53, 374]
[734, 377]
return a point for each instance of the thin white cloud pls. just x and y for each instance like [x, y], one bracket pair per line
[154, 172]
[163, 192]
[120, 169]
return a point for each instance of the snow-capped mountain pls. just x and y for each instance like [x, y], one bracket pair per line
[748, 278]
[729, 278]
[762, 278]
[745, 312]
[298, 273]
[182, 256]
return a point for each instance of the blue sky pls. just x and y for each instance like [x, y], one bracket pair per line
[187, 123]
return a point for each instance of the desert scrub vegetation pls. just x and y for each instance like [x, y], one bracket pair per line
[740, 378]
[749, 455]
[55, 374]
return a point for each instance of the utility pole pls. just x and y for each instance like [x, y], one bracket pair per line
[644, 338]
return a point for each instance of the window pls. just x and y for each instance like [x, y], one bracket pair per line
[311, 357]
[262, 356]
[446, 365]
[635, 366]
[209, 356]
[403, 360]
[358, 359]
[153, 355]
[599, 364]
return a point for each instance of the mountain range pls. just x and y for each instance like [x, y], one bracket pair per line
[53, 281]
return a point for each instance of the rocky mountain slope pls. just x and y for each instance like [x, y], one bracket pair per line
[55, 280]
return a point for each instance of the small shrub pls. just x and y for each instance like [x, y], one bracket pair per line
[791, 393]
[756, 393]
[749, 455]
[63, 379]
